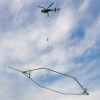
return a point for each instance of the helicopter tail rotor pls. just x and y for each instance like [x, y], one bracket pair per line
[57, 9]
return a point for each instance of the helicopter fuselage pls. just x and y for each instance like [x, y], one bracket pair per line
[47, 10]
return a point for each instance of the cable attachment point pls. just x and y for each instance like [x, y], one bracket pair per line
[47, 44]
[27, 73]
[47, 47]
[85, 91]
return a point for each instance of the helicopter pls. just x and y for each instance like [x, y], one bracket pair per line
[46, 10]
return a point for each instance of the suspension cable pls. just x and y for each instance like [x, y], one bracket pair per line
[47, 36]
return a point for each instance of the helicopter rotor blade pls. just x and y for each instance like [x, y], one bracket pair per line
[48, 14]
[51, 5]
[41, 7]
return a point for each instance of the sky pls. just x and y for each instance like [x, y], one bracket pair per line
[73, 49]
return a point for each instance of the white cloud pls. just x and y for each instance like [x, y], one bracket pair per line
[84, 6]
[17, 5]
